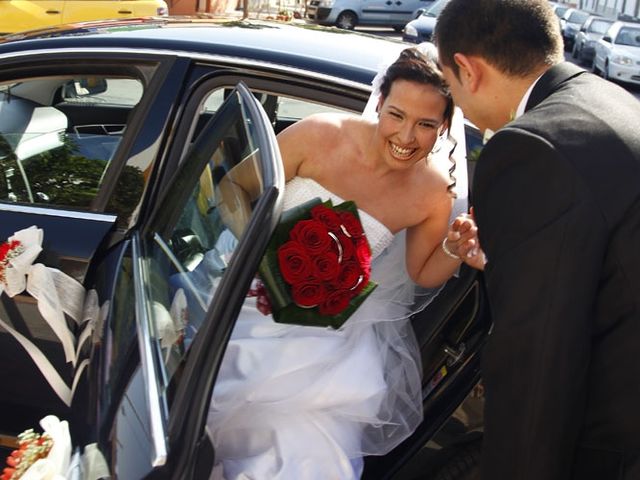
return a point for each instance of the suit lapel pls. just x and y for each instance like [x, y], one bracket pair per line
[551, 81]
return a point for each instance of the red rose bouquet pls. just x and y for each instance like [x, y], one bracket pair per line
[317, 266]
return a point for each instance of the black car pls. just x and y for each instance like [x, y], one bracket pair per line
[421, 29]
[114, 139]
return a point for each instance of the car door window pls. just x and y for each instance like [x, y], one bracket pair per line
[56, 153]
[187, 257]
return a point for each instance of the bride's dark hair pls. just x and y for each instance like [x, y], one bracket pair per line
[415, 66]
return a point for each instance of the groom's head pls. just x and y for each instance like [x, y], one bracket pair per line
[515, 36]
[491, 51]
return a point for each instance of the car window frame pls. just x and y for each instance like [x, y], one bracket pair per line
[148, 69]
[182, 425]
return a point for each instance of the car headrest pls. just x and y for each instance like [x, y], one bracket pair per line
[30, 128]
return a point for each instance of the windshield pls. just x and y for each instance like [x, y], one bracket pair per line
[629, 36]
[435, 9]
[599, 26]
[578, 17]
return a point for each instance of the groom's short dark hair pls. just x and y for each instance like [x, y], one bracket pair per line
[515, 36]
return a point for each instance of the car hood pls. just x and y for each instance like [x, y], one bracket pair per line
[626, 50]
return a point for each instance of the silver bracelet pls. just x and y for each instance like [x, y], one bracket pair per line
[448, 252]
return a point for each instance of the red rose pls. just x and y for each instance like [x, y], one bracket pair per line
[351, 226]
[327, 216]
[363, 253]
[308, 294]
[295, 263]
[327, 266]
[336, 302]
[313, 235]
[349, 275]
[346, 249]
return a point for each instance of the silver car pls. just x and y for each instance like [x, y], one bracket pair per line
[584, 45]
[570, 24]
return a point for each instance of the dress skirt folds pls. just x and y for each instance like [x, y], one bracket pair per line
[306, 403]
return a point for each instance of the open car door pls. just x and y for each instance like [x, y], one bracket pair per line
[181, 283]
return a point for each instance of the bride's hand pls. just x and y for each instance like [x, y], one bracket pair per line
[462, 239]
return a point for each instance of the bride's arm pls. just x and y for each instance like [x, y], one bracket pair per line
[427, 264]
[303, 140]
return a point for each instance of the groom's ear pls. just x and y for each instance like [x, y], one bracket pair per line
[469, 71]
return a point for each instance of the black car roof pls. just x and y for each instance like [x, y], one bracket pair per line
[331, 51]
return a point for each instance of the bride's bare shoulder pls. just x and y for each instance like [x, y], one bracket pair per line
[323, 128]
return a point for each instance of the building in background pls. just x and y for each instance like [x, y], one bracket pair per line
[623, 9]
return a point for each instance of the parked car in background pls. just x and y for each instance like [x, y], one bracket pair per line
[348, 14]
[421, 29]
[617, 53]
[559, 8]
[115, 139]
[584, 45]
[570, 24]
[18, 15]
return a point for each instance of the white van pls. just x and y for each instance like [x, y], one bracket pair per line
[349, 13]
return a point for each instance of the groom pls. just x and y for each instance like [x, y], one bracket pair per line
[557, 202]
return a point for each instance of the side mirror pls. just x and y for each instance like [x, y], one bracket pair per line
[419, 12]
[606, 38]
[582, 29]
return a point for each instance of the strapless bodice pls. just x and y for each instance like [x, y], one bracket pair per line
[300, 189]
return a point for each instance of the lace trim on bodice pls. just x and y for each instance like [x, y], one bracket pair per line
[299, 190]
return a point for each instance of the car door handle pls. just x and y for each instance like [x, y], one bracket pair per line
[128, 12]
[53, 12]
[454, 354]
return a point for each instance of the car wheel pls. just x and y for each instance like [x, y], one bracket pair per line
[605, 72]
[463, 465]
[398, 29]
[594, 68]
[347, 20]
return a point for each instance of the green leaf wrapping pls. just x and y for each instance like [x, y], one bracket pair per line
[284, 310]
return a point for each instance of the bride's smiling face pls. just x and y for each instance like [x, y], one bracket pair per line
[410, 119]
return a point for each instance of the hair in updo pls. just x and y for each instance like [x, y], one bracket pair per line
[414, 66]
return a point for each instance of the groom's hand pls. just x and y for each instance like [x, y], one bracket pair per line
[462, 238]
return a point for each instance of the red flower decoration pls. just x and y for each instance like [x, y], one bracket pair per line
[8, 251]
[31, 447]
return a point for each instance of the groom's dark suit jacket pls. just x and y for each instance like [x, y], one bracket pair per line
[557, 201]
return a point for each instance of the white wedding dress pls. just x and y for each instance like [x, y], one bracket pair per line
[307, 403]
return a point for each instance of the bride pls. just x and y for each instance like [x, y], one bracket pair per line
[304, 403]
